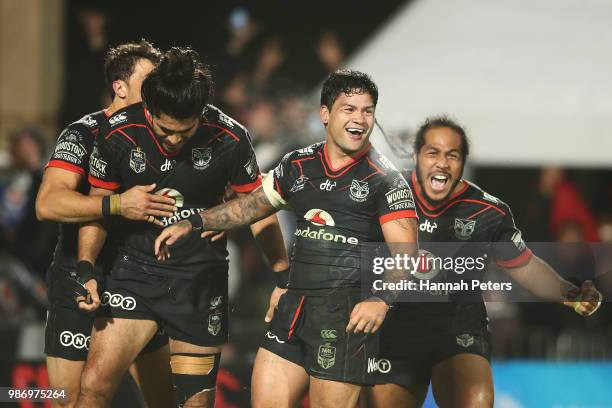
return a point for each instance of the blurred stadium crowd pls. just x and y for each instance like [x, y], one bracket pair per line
[268, 83]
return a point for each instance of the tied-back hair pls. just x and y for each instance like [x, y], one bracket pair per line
[180, 86]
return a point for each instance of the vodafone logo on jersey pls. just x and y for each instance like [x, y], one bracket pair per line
[181, 213]
[172, 193]
[319, 217]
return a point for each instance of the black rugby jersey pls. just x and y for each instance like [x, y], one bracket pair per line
[127, 153]
[71, 152]
[336, 210]
[472, 224]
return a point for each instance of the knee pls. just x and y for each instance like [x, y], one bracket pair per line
[69, 401]
[477, 397]
[94, 384]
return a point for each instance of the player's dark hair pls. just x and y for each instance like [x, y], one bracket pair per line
[179, 86]
[121, 60]
[436, 122]
[347, 82]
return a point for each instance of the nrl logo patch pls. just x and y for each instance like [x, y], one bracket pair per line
[138, 160]
[326, 357]
[464, 228]
[465, 340]
[201, 157]
[359, 190]
[214, 322]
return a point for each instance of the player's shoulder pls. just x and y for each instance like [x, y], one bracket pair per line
[91, 121]
[213, 116]
[387, 170]
[130, 115]
[83, 130]
[381, 161]
[87, 124]
[476, 193]
[303, 152]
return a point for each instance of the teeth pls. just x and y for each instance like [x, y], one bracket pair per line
[354, 130]
[440, 178]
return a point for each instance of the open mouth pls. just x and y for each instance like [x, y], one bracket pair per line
[355, 133]
[438, 182]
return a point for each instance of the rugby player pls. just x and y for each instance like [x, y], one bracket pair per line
[191, 151]
[62, 198]
[449, 343]
[343, 194]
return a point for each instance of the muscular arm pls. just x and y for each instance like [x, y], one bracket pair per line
[402, 238]
[235, 213]
[93, 234]
[401, 231]
[367, 316]
[59, 201]
[541, 280]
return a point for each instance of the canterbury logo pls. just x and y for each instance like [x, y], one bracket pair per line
[328, 334]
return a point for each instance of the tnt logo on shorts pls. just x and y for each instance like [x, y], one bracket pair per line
[383, 365]
[77, 340]
[118, 300]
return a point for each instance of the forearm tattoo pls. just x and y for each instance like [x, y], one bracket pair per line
[241, 211]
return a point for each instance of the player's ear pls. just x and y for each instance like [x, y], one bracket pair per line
[324, 113]
[120, 88]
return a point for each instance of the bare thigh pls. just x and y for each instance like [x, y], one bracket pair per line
[464, 380]
[393, 395]
[152, 373]
[66, 375]
[333, 394]
[114, 345]
[276, 382]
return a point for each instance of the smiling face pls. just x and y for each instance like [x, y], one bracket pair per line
[439, 165]
[350, 121]
[173, 133]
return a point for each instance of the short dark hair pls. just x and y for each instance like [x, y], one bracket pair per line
[436, 122]
[348, 82]
[121, 60]
[180, 86]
